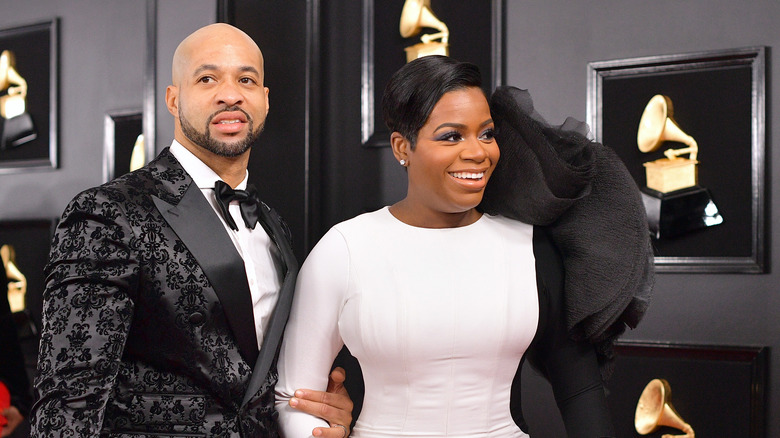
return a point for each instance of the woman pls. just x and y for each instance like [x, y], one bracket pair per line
[438, 301]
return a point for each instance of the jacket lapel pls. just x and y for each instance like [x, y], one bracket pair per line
[272, 224]
[188, 213]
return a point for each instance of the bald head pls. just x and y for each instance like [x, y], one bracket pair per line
[217, 97]
[220, 36]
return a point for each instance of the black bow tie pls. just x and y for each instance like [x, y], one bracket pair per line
[247, 199]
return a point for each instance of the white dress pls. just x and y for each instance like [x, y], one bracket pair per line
[439, 320]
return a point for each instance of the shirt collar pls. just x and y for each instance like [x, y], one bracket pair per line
[201, 173]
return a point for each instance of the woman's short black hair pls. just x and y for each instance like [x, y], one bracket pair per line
[415, 89]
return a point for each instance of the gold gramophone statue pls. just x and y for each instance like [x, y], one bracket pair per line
[17, 282]
[675, 203]
[416, 15]
[138, 156]
[18, 127]
[657, 126]
[655, 409]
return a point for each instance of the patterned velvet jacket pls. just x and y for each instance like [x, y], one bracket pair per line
[148, 326]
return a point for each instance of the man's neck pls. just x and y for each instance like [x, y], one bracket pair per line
[232, 170]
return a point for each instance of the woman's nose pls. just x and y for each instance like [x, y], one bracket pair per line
[475, 150]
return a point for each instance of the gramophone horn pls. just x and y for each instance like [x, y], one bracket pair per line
[416, 15]
[657, 125]
[655, 409]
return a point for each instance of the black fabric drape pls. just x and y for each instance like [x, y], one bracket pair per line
[555, 176]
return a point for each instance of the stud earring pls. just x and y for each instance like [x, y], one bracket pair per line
[402, 162]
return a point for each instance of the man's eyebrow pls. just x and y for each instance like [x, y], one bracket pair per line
[203, 68]
[206, 67]
[250, 69]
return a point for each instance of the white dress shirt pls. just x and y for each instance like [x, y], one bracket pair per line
[261, 256]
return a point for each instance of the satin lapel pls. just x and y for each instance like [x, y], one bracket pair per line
[198, 226]
[271, 222]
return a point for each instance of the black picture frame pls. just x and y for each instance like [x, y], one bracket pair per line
[31, 240]
[35, 50]
[719, 100]
[383, 51]
[718, 390]
[121, 129]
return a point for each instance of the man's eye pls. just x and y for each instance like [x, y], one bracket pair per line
[206, 79]
[247, 81]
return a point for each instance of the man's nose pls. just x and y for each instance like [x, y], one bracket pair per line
[229, 94]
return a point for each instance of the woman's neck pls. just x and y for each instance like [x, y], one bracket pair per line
[427, 218]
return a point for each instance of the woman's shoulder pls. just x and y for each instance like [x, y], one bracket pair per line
[507, 228]
[370, 220]
[360, 227]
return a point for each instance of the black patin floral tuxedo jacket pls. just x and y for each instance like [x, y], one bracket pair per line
[148, 326]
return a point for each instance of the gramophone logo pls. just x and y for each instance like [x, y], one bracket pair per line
[18, 127]
[654, 409]
[415, 16]
[675, 202]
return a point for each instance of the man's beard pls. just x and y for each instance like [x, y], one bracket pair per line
[221, 148]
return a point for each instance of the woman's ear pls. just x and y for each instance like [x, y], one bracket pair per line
[400, 146]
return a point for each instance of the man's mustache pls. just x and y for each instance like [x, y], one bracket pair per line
[229, 109]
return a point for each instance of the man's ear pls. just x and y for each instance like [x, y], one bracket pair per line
[172, 100]
[400, 146]
[267, 101]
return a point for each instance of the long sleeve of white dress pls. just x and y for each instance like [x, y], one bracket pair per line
[312, 338]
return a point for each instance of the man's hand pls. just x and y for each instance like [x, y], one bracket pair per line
[333, 406]
[14, 417]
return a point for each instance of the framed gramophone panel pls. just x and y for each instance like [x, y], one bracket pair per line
[28, 97]
[718, 390]
[123, 141]
[475, 34]
[25, 243]
[704, 113]
[31, 240]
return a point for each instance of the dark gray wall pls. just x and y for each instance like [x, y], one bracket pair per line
[102, 56]
[101, 65]
[549, 44]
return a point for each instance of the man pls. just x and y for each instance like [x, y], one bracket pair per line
[163, 312]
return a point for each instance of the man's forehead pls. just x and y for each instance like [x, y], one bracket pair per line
[218, 46]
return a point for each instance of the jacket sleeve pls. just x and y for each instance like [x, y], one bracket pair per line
[87, 311]
[570, 366]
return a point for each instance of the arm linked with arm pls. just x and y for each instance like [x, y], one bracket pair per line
[312, 339]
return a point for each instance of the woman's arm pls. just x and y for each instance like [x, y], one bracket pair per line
[312, 339]
[571, 367]
[573, 371]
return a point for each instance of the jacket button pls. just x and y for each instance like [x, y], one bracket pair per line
[196, 318]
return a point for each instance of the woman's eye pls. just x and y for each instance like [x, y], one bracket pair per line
[488, 135]
[451, 136]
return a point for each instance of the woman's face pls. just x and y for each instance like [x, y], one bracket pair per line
[454, 156]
